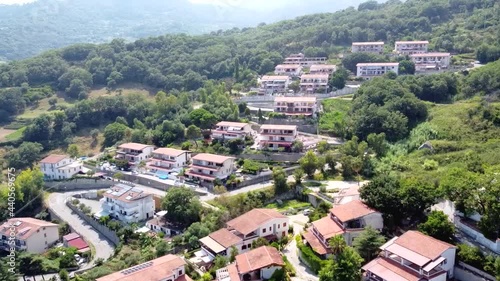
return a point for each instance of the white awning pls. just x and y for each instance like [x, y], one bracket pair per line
[212, 244]
[433, 264]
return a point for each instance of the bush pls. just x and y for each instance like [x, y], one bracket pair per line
[314, 262]
[430, 165]
[322, 189]
[252, 167]
[318, 177]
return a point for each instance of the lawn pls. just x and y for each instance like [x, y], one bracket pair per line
[4, 133]
[14, 135]
[334, 113]
[288, 204]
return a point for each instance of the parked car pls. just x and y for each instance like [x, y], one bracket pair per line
[306, 212]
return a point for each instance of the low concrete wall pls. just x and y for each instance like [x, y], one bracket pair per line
[465, 272]
[263, 177]
[303, 125]
[77, 184]
[104, 230]
[478, 236]
[277, 157]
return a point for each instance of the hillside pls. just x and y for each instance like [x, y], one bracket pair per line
[46, 24]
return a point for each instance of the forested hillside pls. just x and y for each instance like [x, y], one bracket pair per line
[47, 24]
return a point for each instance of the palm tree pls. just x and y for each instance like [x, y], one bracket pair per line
[337, 244]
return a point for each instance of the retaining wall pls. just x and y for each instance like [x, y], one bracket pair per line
[465, 272]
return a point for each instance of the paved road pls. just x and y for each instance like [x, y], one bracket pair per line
[291, 251]
[104, 248]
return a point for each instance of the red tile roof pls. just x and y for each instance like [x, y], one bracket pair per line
[225, 237]
[212, 158]
[352, 210]
[134, 146]
[78, 243]
[327, 227]
[170, 151]
[274, 77]
[255, 259]
[154, 270]
[125, 193]
[24, 227]
[252, 220]
[53, 158]
[288, 66]
[422, 244]
[315, 244]
[389, 270]
[71, 236]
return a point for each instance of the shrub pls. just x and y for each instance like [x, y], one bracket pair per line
[318, 177]
[322, 189]
[430, 165]
[314, 262]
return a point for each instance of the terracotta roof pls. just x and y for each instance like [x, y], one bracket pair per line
[412, 42]
[431, 55]
[278, 127]
[306, 76]
[295, 99]
[274, 77]
[377, 64]
[288, 66]
[327, 227]
[367, 43]
[71, 236]
[78, 243]
[211, 158]
[315, 244]
[134, 146]
[352, 210]
[225, 237]
[125, 193]
[233, 272]
[422, 244]
[255, 259]
[231, 124]
[154, 270]
[53, 158]
[252, 220]
[170, 151]
[24, 227]
[389, 270]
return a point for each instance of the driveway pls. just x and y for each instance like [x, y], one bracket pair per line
[103, 247]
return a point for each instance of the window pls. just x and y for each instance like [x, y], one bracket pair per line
[180, 272]
[284, 224]
[45, 235]
[263, 230]
[244, 247]
[270, 228]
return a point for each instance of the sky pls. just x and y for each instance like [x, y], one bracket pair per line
[11, 2]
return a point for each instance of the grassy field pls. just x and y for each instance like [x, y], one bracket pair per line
[14, 135]
[288, 204]
[4, 133]
[335, 112]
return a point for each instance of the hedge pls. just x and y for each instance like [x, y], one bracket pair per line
[314, 262]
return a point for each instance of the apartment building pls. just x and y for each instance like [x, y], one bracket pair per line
[28, 234]
[166, 268]
[348, 220]
[242, 231]
[206, 168]
[368, 47]
[304, 61]
[134, 152]
[306, 106]
[288, 69]
[231, 130]
[59, 167]
[322, 69]
[274, 137]
[168, 159]
[370, 70]
[411, 47]
[430, 61]
[257, 264]
[314, 83]
[271, 84]
[412, 256]
[128, 204]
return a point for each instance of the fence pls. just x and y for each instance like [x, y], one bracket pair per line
[465, 272]
[478, 236]
[104, 230]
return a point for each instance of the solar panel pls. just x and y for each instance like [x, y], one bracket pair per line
[137, 268]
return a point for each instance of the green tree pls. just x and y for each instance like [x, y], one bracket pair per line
[24, 156]
[5, 273]
[345, 267]
[73, 151]
[114, 133]
[377, 143]
[309, 163]
[193, 133]
[337, 244]
[298, 175]
[234, 253]
[280, 180]
[338, 79]
[406, 67]
[182, 206]
[368, 242]
[63, 275]
[297, 146]
[259, 242]
[53, 102]
[438, 226]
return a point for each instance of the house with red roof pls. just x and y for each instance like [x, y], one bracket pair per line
[313, 83]
[412, 256]
[134, 153]
[74, 240]
[58, 167]
[348, 220]
[411, 47]
[28, 234]
[274, 137]
[127, 204]
[240, 232]
[206, 168]
[257, 264]
[231, 130]
[166, 160]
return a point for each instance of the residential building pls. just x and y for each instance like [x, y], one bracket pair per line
[28, 234]
[368, 47]
[322, 69]
[160, 224]
[413, 256]
[231, 130]
[348, 220]
[296, 105]
[430, 61]
[271, 84]
[134, 153]
[168, 159]
[314, 83]
[242, 231]
[370, 70]
[206, 168]
[288, 69]
[411, 47]
[59, 167]
[302, 60]
[166, 268]
[273, 137]
[74, 240]
[128, 204]
[257, 264]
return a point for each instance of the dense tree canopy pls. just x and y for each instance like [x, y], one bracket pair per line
[182, 206]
